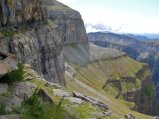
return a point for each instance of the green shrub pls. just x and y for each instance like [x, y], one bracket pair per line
[34, 108]
[148, 91]
[7, 33]
[7, 94]
[14, 76]
[2, 109]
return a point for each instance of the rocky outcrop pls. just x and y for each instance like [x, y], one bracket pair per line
[61, 93]
[14, 96]
[7, 63]
[22, 92]
[42, 49]
[69, 21]
[21, 12]
[93, 101]
[35, 32]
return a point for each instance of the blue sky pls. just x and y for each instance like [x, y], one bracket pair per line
[132, 16]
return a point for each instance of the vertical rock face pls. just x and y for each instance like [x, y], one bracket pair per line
[42, 28]
[145, 96]
[18, 11]
[42, 49]
[69, 21]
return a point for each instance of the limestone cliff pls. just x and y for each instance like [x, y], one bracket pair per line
[44, 32]
[20, 12]
[69, 21]
[35, 32]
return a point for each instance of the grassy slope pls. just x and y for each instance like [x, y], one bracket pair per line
[95, 73]
[82, 111]
[100, 71]
[118, 107]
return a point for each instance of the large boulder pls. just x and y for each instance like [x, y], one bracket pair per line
[7, 63]
[74, 100]
[61, 93]
[22, 92]
[93, 101]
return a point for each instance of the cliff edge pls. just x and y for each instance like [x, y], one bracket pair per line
[35, 32]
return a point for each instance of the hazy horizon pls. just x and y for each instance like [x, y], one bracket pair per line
[126, 16]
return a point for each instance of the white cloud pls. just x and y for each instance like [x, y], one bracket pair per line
[96, 28]
[124, 28]
[89, 28]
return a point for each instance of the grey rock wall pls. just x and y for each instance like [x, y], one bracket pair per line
[42, 49]
[69, 21]
[18, 12]
[47, 26]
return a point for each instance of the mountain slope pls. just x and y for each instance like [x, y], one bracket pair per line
[146, 52]
[46, 34]
[116, 75]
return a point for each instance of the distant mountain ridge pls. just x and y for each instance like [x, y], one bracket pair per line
[138, 37]
[153, 43]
